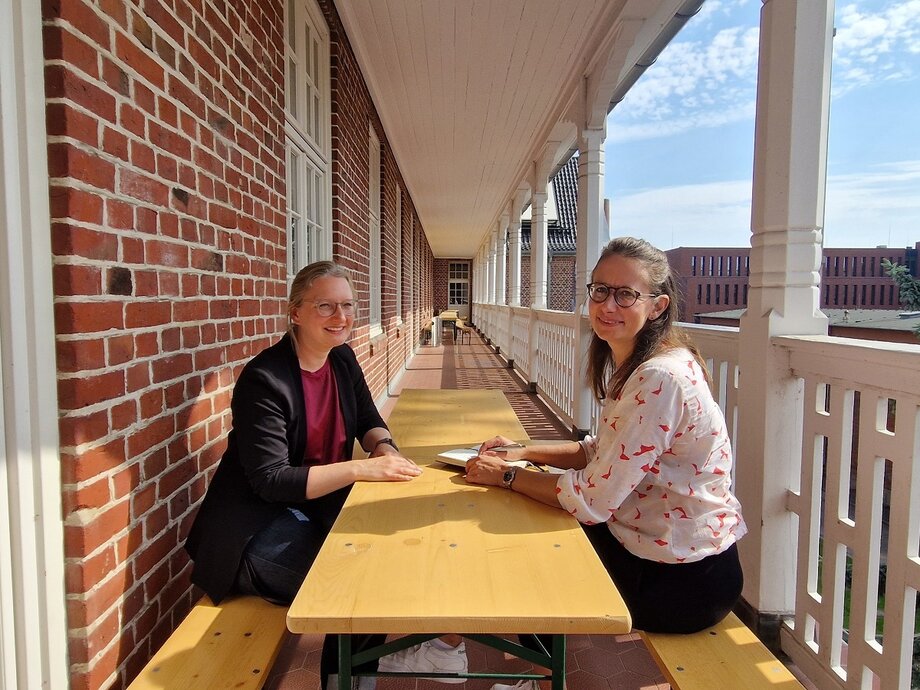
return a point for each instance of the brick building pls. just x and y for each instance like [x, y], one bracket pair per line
[178, 159]
[715, 279]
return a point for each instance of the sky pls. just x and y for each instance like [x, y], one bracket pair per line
[679, 151]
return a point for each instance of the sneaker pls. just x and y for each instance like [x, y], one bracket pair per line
[520, 685]
[427, 658]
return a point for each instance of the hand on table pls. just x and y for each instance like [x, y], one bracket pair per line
[387, 466]
[487, 468]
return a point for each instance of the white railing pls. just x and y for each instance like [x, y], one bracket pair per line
[858, 503]
[858, 508]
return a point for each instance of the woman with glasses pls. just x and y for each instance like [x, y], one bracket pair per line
[653, 487]
[297, 409]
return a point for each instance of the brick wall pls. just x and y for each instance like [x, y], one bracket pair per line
[167, 184]
[167, 198]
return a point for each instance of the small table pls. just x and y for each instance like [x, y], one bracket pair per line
[436, 555]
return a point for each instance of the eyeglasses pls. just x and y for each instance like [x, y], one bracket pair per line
[324, 308]
[623, 296]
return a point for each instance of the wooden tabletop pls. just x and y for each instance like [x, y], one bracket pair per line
[463, 417]
[437, 555]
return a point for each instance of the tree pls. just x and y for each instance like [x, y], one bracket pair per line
[908, 287]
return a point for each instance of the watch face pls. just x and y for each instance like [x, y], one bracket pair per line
[507, 478]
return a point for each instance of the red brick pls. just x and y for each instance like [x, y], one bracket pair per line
[120, 349]
[153, 434]
[139, 60]
[94, 495]
[87, 317]
[78, 355]
[79, 541]
[125, 481]
[171, 367]
[65, 120]
[91, 463]
[61, 44]
[75, 204]
[82, 575]
[77, 430]
[146, 314]
[61, 82]
[167, 254]
[82, 17]
[143, 187]
[77, 280]
[142, 500]
[65, 160]
[124, 414]
[142, 156]
[83, 649]
[74, 393]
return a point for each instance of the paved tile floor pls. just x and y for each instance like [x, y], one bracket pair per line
[594, 662]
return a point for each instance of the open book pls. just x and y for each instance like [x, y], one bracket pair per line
[458, 457]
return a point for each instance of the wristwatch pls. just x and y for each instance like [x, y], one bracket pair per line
[386, 440]
[508, 477]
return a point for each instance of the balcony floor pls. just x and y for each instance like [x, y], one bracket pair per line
[595, 662]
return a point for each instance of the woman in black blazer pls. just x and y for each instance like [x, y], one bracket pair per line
[297, 408]
[288, 465]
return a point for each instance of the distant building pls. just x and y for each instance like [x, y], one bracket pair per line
[714, 279]
[868, 324]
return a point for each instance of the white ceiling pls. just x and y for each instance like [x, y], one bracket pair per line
[468, 92]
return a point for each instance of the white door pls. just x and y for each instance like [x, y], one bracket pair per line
[458, 288]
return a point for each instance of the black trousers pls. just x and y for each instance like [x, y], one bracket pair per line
[670, 597]
[274, 565]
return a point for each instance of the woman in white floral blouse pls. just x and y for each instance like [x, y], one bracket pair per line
[653, 487]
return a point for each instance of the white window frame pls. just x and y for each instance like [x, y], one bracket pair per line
[373, 216]
[308, 135]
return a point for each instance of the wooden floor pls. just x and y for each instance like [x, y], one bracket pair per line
[595, 662]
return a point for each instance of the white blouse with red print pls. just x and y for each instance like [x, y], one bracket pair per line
[659, 469]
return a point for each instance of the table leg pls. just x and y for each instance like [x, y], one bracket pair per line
[558, 662]
[345, 663]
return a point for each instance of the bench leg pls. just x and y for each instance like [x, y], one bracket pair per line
[558, 662]
[344, 662]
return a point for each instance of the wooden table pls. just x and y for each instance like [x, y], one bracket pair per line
[437, 555]
[462, 417]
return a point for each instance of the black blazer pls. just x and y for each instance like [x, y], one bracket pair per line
[262, 472]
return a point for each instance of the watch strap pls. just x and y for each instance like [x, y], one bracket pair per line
[387, 440]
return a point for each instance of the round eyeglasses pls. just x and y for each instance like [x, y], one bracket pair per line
[623, 296]
[324, 308]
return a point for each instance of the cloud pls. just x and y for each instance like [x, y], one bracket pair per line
[864, 210]
[711, 81]
[874, 46]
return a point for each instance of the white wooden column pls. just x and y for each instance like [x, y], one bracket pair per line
[500, 274]
[790, 151]
[490, 264]
[514, 248]
[591, 235]
[33, 627]
[538, 256]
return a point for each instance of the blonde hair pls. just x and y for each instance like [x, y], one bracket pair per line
[302, 282]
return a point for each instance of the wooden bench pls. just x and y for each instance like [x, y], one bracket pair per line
[232, 645]
[727, 655]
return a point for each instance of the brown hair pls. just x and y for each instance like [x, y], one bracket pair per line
[302, 282]
[607, 377]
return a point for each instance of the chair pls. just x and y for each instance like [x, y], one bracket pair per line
[463, 330]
